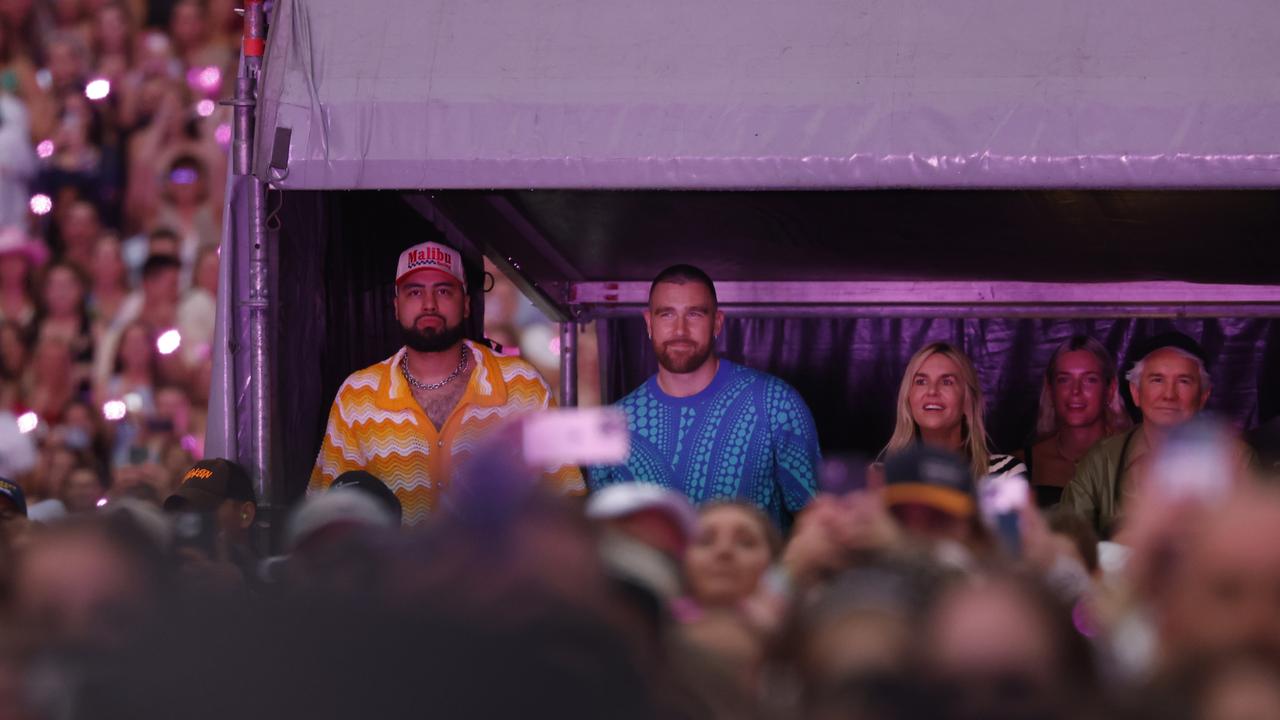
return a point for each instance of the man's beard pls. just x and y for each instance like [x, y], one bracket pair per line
[430, 340]
[684, 362]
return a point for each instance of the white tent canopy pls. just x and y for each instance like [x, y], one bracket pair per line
[803, 94]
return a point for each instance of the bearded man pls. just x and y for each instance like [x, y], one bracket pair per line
[707, 427]
[412, 418]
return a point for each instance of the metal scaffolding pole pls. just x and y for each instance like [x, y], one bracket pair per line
[568, 364]
[256, 301]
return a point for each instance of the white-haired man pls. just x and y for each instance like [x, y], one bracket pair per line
[1170, 385]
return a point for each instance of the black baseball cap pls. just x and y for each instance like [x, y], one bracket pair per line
[371, 484]
[1171, 339]
[924, 475]
[208, 484]
[13, 491]
[1141, 349]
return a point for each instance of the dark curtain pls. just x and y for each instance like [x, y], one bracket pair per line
[336, 267]
[849, 369]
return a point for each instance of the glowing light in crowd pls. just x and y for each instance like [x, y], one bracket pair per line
[41, 204]
[211, 78]
[205, 107]
[102, 502]
[27, 422]
[114, 410]
[223, 134]
[168, 342]
[207, 79]
[45, 149]
[97, 89]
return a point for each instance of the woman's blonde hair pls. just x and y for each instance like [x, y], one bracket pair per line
[1114, 417]
[973, 431]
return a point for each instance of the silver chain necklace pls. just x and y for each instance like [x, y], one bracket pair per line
[417, 384]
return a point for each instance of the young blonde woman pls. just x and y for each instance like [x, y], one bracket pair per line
[1079, 405]
[940, 404]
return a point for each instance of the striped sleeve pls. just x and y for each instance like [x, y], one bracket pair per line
[339, 450]
[1005, 465]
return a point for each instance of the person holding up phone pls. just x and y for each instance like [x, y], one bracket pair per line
[707, 427]
[415, 417]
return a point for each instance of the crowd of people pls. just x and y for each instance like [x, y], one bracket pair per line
[900, 598]
[113, 151]
[720, 567]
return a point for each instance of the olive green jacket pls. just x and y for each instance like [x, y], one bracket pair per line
[1104, 478]
[1096, 492]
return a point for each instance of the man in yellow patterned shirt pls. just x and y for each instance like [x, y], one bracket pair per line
[410, 419]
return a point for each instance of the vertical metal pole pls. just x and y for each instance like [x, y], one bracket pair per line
[260, 349]
[258, 300]
[569, 364]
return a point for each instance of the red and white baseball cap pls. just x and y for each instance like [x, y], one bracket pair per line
[431, 256]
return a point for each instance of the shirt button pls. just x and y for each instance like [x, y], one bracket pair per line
[440, 443]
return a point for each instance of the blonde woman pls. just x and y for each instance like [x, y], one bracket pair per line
[1079, 405]
[940, 404]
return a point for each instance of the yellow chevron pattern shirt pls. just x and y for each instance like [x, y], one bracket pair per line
[375, 425]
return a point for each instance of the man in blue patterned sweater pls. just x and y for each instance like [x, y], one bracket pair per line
[708, 427]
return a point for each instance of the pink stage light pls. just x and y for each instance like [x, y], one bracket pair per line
[207, 80]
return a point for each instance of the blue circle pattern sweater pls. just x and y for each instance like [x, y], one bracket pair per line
[747, 436]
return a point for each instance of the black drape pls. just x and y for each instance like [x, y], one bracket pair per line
[848, 370]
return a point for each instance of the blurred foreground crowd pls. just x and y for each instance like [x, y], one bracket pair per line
[633, 603]
[112, 153]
